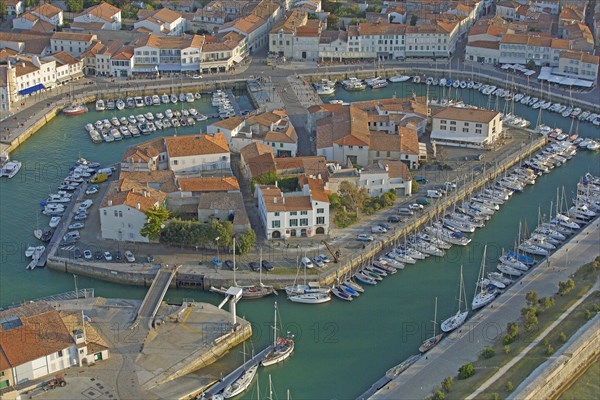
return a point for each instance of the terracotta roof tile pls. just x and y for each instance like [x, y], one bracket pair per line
[255, 149]
[76, 37]
[581, 56]
[229, 123]
[128, 193]
[163, 180]
[183, 146]
[261, 164]
[47, 10]
[39, 333]
[484, 44]
[103, 11]
[208, 184]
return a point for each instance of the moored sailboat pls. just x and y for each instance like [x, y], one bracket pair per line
[435, 339]
[461, 315]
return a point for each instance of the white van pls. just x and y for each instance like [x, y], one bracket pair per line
[378, 229]
[434, 194]
[306, 262]
[107, 171]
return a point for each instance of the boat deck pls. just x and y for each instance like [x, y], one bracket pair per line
[234, 103]
[235, 374]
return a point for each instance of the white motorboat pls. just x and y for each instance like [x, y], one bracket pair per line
[483, 296]
[155, 100]
[54, 221]
[29, 251]
[10, 169]
[120, 104]
[189, 97]
[174, 99]
[497, 276]
[461, 315]
[165, 99]
[100, 106]
[402, 78]
[139, 101]
[282, 347]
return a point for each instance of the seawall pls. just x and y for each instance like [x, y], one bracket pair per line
[555, 375]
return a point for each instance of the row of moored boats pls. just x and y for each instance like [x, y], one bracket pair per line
[143, 101]
[117, 129]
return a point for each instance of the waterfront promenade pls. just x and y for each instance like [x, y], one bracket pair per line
[465, 345]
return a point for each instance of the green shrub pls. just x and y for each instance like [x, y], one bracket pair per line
[562, 337]
[488, 352]
[549, 350]
[439, 395]
[509, 386]
[506, 349]
[447, 383]
[466, 371]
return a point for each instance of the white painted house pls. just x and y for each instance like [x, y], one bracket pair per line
[100, 16]
[162, 22]
[297, 214]
[49, 13]
[465, 127]
[71, 42]
[14, 7]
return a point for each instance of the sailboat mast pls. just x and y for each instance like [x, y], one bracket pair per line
[234, 268]
[275, 326]
[460, 288]
[270, 388]
[435, 317]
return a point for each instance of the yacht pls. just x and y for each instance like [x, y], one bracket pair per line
[311, 298]
[240, 384]
[282, 347]
[165, 99]
[130, 102]
[139, 101]
[402, 78]
[483, 295]
[120, 104]
[75, 109]
[461, 315]
[174, 99]
[155, 100]
[10, 169]
[110, 104]
[100, 105]
[189, 97]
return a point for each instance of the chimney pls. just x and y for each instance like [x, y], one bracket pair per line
[276, 184]
[146, 194]
[319, 176]
[110, 203]
[274, 200]
[138, 206]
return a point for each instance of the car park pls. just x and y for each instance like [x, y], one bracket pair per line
[77, 225]
[118, 255]
[87, 254]
[324, 258]
[363, 237]
[254, 266]
[267, 266]
[393, 219]
[129, 256]
[107, 256]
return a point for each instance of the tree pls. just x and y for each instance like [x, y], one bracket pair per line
[439, 395]
[224, 231]
[506, 349]
[74, 6]
[2, 9]
[546, 302]
[352, 197]
[509, 386]
[332, 21]
[413, 19]
[447, 383]
[415, 186]
[334, 200]
[531, 298]
[531, 64]
[562, 337]
[565, 286]
[512, 328]
[488, 352]
[245, 242]
[508, 339]
[155, 217]
[529, 317]
[495, 396]
[466, 371]
[549, 350]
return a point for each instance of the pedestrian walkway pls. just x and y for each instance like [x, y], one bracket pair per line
[530, 346]
[465, 345]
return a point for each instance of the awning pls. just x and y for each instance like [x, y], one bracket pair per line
[31, 89]
[529, 72]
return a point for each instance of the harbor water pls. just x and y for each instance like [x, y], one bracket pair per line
[341, 348]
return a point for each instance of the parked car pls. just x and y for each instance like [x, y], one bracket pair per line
[423, 201]
[317, 261]
[98, 255]
[267, 266]
[420, 179]
[73, 235]
[196, 76]
[92, 190]
[384, 225]
[86, 204]
[87, 254]
[405, 211]
[415, 206]
[393, 219]
[378, 229]
[434, 194]
[80, 216]
[76, 253]
[229, 264]
[149, 259]
[129, 256]
[324, 258]
[77, 225]
[306, 262]
[363, 237]
[450, 185]
[254, 266]
[107, 256]
[118, 255]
